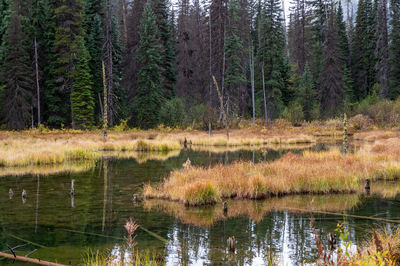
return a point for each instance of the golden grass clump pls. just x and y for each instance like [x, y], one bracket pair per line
[313, 172]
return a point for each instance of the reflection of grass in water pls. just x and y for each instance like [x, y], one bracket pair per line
[256, 210]
[83, 166]
[275, 147]
[69, 167]
[386, 189]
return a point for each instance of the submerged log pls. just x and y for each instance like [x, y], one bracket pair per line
[30, 260]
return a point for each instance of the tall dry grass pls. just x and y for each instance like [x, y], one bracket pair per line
[59, 146]
[311, 172]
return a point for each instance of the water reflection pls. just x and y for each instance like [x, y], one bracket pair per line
[62, 226]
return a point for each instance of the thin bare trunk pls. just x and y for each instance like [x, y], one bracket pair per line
[253, 100]
[105, 112]
[264, 94]
[210, 69]
[221, 101]
[37, 81]
[109, 65]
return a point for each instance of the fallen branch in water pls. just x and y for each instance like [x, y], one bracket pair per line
[30, 260]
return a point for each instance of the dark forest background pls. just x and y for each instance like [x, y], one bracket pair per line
[155, 61]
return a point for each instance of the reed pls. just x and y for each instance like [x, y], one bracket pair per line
[312, 172]
[383, 248]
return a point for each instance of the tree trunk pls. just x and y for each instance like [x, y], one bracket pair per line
[264, 94]
[37, 81]
[252, 81]
[210, 69]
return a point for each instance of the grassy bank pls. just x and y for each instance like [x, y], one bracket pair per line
[59, 146]
[311, 172]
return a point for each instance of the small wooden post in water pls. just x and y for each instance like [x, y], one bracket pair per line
[231, 244]
[225, 208]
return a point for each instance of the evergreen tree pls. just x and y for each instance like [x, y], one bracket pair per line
[41, 27]
[94, 38]
[81, 96]
[343, 40]
[160, 9]
[363, 50]
[121, 99]
[381, 49]
[149, 93]
[394, 50]
[272, 55]
[17, 74]
[4, 17]
[306, 94]
[235, 73]
[69, 38]
[332, 92]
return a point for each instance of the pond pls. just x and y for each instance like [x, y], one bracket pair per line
[65, 229]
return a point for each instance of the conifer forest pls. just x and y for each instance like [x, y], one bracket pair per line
[153, 62]
[200, 132]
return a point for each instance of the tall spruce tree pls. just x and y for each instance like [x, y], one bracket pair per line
[17, 74]
[363, 50]
[306, 94]
[381, 49]
[343, 40]
[332, 91]
[272, 55]
[68, 48]
[394, 50]
[160, 9]
[4, 19]
[94, 38]
[235, 73]
[81, 96]
[149, 93]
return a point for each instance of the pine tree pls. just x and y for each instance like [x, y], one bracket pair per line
[394, 50]
[306, 94]
[363, 50]
[121, 99]
[168, 56]
[94, 38]
[341, 29]
[149, 93]
[69, 38]
[235, 73]
[272, 56]
[381, 49]
[81, 96]
[4, 19]
[332, 92]
[17, 74]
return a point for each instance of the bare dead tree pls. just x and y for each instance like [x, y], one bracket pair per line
[37, 80]
[221, 101]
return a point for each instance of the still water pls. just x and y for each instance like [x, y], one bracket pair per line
[62, 228]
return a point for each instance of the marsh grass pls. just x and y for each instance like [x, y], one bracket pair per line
[97, 258]
[59, 146]
[45, 170]
[310, 173]
[255, 210]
